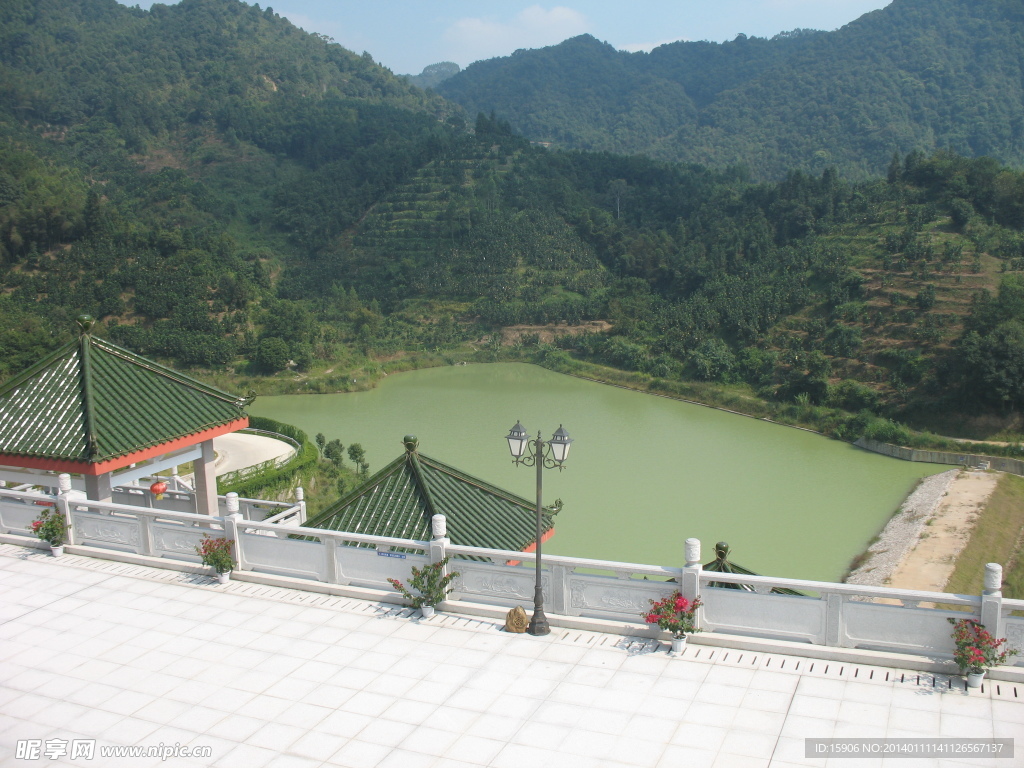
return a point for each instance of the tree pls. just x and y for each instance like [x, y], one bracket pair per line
[272, 355]
[335, 452]
[618, 190]
[995, 365]
[358, 457]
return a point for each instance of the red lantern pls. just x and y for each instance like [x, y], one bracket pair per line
[159, 488]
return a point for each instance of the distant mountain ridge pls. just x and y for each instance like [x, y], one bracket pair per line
[918, 74]
[433, 74]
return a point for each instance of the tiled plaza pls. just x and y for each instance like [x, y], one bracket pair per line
[97, 651]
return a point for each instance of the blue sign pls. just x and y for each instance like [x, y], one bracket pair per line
[399, 555]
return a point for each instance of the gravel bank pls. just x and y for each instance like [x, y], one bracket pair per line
[902, 531]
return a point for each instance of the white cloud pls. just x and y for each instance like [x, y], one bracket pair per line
[472, 38]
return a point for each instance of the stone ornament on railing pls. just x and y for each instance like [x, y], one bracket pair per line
[692, 552]
[439, 526]
[993, 577]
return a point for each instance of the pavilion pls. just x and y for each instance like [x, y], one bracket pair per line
[111, 417]
[400, 499]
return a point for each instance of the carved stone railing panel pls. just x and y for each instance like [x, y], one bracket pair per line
[284, 557]
[499, 584]
[897, 628]
[1014, 632]
[176, 540]
[372, 568]
[124, 532]
[748, 613]
[16, 517]
[613, 597]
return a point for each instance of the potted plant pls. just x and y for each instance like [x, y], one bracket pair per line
[51, 528]
[976, 650]
[216, 553]
[677, 615]
[431, 583]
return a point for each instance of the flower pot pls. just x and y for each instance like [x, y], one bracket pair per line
[224, 578]
[974, 679]
[426, 611]
[56, 550]
[678, 644]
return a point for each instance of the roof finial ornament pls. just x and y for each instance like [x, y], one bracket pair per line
[85, 323]
[411, 443]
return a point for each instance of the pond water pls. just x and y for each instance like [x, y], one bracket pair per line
[644, 472]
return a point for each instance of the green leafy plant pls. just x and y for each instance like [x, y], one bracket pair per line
[675, 614]
[430, 582]
[976, 650]
[50, 527]
[216, 553]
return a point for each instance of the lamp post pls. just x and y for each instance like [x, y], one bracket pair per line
[543, 455]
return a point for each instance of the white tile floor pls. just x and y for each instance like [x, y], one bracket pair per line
[272, 677]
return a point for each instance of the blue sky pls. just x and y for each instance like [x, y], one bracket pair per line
[407, 35]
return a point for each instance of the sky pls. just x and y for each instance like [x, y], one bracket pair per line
[407, 35]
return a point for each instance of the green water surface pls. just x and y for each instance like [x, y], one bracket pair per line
[644, 473]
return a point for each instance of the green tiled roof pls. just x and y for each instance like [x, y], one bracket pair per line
[400, 499]
[94, 401]
[722, 564]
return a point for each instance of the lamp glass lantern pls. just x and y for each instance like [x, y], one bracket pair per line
[517, 440]
[560, 443]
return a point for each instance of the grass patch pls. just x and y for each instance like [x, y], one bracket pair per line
[998, 537]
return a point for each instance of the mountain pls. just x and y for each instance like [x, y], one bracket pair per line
[160, 169]
[916, 75]
[227, 192]
[433, 75]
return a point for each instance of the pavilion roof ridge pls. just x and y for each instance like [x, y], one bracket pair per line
[90, 402]
[400, 499]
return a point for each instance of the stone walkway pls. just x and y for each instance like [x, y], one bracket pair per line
[262, 676]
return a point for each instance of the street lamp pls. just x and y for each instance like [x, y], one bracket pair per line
[543, 455]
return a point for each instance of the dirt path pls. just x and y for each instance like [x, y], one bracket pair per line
[929, 564]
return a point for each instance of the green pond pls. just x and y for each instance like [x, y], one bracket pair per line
[644, 473]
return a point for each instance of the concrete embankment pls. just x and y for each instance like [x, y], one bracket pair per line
[903, 531]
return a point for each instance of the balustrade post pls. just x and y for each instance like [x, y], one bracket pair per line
[232, 522]
[146, 531]
[689, 583]
[439, 542]
[835, 634]
[64, 503]
[992, 600]
[333, 570]
[559, 575]
[300, 496]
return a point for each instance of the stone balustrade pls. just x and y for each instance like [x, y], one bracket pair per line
[612, 594]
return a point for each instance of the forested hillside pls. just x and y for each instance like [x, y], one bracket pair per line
[160, 168]
[916, 75]
[229, 193]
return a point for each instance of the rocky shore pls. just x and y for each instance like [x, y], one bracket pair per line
[902, 532]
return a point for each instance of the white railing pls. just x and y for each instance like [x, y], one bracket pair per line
[184, 500]
[19, 508]
[827, 614]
